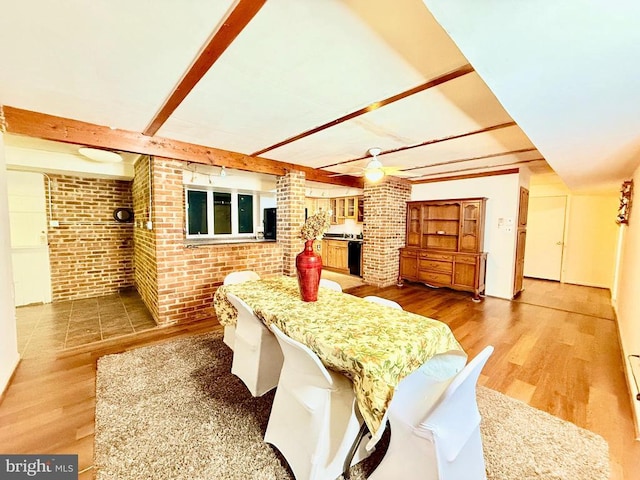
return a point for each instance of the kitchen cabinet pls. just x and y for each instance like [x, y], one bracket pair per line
[333, 204]
[314, 205]
[444, 241]
[347, 208]
[335, 255]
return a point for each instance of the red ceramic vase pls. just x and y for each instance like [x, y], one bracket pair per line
[309, 267]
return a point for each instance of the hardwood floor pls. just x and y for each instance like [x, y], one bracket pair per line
[556, 358]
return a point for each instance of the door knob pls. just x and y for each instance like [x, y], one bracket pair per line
[558, 243]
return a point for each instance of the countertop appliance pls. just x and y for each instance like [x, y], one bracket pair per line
[355, 257]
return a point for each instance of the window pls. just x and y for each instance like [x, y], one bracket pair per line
[219, 214]
[197, 212]
[245, 213]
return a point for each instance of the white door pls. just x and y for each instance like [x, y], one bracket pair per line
[545, 237]
[29, 248]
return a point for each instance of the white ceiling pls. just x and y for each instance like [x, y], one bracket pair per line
[302, 65]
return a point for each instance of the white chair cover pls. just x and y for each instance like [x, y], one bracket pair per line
[239, 277]
[314, 419]
[257, 357]
[435, 427]
[324, 282]
[230, 279]
[383, 301]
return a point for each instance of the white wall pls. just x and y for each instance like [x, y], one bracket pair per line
[591, 234]
[591, 240]
[29, 159]
[628, 296]
[8, 339]
[503, 194]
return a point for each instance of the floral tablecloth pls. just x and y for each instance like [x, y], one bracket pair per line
[374, 345]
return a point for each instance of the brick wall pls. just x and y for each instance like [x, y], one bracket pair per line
[90, 253]
[187, 277]
[290, 194]
[384, 229]
[146, 268]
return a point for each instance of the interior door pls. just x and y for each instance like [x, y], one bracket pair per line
[29, 246]
[521, 240]
[545, 237]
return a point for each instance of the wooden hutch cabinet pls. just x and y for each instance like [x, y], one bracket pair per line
[444, 244]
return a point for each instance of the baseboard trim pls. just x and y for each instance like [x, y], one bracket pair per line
[633, 388]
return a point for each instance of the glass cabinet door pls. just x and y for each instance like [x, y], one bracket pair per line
[413, 225]
[469, 227]
[333, 206]
[350, 207]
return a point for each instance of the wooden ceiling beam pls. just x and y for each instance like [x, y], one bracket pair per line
[447, 77]
[462, 160]
[59, 129]
[237, 20]
[428, 142]
[447, 175]
[508, 171]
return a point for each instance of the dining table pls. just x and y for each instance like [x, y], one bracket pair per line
[374, 345]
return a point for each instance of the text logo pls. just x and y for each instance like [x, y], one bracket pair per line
[39, 467]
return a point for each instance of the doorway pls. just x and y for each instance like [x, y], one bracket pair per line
[29, 244]
[545, 237]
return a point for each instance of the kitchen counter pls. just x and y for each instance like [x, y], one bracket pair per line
[341, 237]
[342, 253]
[194, 243]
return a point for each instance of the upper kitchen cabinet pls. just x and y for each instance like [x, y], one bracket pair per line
[314, 205]
[347, 208]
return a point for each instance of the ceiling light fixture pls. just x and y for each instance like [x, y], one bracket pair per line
[373, 171]
[99, 155]
[223, 172]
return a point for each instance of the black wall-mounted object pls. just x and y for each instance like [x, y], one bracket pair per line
[269, 221]
[123, 215]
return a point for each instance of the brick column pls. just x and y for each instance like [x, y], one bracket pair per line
[144, 241]
[384, 229]
[290, 190]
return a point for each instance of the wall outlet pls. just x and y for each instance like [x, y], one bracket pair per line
[54, 223]
[149, 225]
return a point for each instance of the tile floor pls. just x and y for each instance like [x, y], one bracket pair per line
[45, 328]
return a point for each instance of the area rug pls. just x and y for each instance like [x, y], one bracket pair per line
[174, 411]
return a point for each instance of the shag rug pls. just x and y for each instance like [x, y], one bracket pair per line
[174, 411]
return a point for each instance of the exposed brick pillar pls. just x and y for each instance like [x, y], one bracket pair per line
[290, 190]
[168, 225]
[144, 241]
[384, 229]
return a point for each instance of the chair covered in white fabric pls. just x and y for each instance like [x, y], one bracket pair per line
[435, 427]
[230, 279]
[325, 282]
[314, 419]
[383, 301]
[257, 357]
